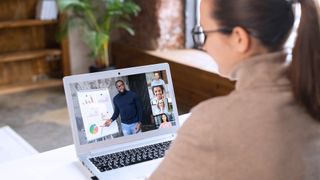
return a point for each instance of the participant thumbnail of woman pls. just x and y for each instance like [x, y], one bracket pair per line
[165, 123]
[160, 102]
[161, 107]
[158, 94]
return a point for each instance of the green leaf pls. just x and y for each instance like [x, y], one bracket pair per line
[97, 25]
[68, 25]
[64, 5]
[125, 27]
[96, 41]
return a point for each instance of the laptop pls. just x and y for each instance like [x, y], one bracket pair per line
[123, 120]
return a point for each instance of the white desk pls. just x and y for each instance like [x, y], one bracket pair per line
[57, 164]
[13, 146]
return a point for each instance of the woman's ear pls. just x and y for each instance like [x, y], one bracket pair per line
[240, 40]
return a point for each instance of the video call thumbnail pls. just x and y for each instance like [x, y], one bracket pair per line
[115, 107]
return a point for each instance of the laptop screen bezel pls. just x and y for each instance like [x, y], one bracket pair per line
[85, 148]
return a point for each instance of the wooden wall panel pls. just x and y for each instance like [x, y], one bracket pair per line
[18, 72]
[29, 71]
[2, 75]
[29, 38]
[29, 50]
[191, 85]
[17, 9]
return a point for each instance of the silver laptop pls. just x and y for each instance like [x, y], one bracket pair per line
[123, 121]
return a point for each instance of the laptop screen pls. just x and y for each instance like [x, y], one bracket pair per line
[110, 108]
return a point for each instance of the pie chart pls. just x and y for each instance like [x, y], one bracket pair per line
[94, 129]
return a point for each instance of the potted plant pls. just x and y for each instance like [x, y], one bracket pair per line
[97, 18]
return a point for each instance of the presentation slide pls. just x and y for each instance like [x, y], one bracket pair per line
[95, 107]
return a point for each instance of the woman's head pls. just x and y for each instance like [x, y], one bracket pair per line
[161, 104]
[164, 118]
[158, 91]
[269, 21]
[244, 28]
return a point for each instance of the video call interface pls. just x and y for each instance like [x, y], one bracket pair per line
[116, 107]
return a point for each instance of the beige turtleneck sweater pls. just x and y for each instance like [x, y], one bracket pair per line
[258, 132]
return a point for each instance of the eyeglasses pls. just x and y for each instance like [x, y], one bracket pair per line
[200, 36]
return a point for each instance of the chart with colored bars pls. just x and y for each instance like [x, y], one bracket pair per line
[96, 106]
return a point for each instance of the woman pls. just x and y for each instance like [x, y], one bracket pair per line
[165, 122]
[268, 128]
[161, 107]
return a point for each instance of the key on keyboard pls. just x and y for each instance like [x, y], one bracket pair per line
[130, 157]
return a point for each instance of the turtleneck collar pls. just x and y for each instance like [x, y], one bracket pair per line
[261, 70]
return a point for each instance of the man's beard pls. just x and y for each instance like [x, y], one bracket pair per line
[124, 92]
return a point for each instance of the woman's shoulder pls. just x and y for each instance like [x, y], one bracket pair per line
[225, 109]
[216, 103]
[256, 101]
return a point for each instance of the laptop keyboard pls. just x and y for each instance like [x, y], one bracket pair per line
[130, 157]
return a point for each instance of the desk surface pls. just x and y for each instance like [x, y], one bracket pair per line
[60, 163]
[13, 146]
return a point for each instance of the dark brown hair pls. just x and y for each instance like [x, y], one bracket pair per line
[161, 87]
[305, 67]
[270, 21]
[166, 117]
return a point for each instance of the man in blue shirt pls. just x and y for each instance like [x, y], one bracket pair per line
[128, 105]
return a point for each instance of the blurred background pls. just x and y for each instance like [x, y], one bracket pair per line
[41, 41]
